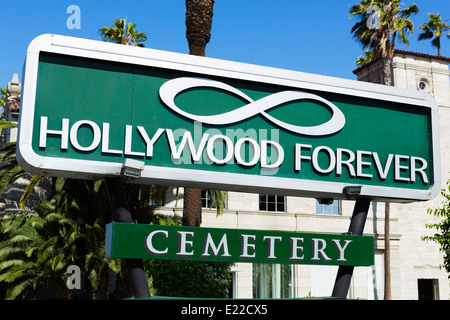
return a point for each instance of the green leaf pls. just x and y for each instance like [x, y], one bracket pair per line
[6, 124]
[34, 181]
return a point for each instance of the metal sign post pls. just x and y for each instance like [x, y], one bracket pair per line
[344, 275]
[121, 213]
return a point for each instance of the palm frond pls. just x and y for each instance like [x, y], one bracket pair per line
[10, 176]
[7, 124]
[218, 199]
[33, 182]
[7, 150]
[13, 292]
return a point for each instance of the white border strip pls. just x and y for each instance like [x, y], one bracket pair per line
[36, 164]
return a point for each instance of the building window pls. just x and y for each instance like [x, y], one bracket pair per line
[332, 208]
[271, 281]
[157, 195]
[428, 289]
[206, 199]
[207, 202]
[424, 84]
[269, 202]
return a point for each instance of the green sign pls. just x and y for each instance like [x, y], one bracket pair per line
[147, 241]
[91, 109]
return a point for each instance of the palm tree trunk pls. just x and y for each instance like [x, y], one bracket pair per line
[199, 15]
[387, 71]
[439, 46]
[387, 253]
[388, 80]
[192, 208]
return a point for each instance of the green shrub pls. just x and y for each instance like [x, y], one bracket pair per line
[193, 279]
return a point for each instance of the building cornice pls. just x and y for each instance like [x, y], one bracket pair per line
[397, 51]
[419, 68]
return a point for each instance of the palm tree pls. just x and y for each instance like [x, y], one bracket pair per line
[434, 28]
[199, 15]
[85, 202]
[123, 33]
[392, 23]
[36, 249]
[33, 255]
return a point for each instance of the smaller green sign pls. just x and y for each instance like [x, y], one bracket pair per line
[147, 241]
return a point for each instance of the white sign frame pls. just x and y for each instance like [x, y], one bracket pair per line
[85, 169]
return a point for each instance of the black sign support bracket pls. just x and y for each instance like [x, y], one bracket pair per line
[344, 275]
[121, 213]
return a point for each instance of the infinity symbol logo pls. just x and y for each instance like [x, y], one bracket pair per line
[169, 90]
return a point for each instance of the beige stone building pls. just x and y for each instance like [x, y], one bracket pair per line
[415, 264]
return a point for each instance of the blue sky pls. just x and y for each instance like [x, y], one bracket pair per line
[300, 35]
